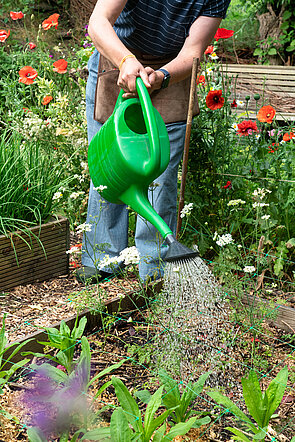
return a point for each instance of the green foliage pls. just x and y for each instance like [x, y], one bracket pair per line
[63, 382]
[261, 405]
[29, 179]
[7, 368]
[65, 340]
[143, 430]
[58, 128]
[240, 185]
[174, 400]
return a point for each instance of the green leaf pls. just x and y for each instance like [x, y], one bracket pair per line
[275, 392]
[143, 395]
[238, 433]
[253, 397]
[232, 408]
[128, 404]
[261, 434]
[151, 408]
[100, 434]
[156, 423]
[158, 436]
[287, 15]
[106, 371]
[272, 51]
[120, 431]
[102, 388]
[257, 52]
[35, 435]
[180, 429]
[16, 350]
[201, 421]
[78, 332]
[54, 373]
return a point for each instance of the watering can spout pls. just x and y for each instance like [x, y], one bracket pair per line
[177, 251]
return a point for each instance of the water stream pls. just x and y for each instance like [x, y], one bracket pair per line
[193, 313]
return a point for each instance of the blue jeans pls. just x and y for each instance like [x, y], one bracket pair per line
[109, 232]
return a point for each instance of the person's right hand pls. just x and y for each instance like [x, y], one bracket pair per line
[130, 70]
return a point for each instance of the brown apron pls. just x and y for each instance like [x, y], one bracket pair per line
[172, 102]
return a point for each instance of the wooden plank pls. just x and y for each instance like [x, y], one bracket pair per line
[35, 271]
[285, 316]
[259, 68]
[54, 245]
[134, 300]
[33, 265]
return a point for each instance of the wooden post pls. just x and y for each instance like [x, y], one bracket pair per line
[186, 142]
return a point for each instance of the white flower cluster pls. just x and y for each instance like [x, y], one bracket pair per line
[85, 227]
[57, 196]
[75, 195]
[258, 204]
[100, 188]
[186, 211]
[265, 217]
[223, 240]
[249, 269]
[107, 261]
[261, 193]
[80, 178]
[236, 202]
[130, 255]
[33, 125]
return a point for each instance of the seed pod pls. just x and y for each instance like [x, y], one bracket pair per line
[247, 98]
[256, 97]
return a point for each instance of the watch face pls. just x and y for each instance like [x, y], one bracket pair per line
[166, 78]
[165, 82]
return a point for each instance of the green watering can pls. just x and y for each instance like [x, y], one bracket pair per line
[127, 154]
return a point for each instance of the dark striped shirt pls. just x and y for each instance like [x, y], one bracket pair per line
[160, 27]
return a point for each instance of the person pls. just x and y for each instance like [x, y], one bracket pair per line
[157, 41]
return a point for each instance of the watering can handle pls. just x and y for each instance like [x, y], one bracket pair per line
[149, 119]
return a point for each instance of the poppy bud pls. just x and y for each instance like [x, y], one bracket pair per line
[247, 98]
[256, 97]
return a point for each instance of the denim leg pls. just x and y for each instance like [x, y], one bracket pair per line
[109, 222]
[164, 200]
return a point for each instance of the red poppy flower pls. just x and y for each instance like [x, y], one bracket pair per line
[4, 35]
[266, 114]
[214, 99]
[46, 99]
[245, 128]
[60, 66]
[228, 185]
[223, 33]
[32, 45]
[233, 104]
[288, 136]
[16, 15]
[201, 80]
[209, 49]
[52, 20]
[27, 75]
[272, 148]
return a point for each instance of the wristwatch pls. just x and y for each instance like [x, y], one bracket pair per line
[166, 78]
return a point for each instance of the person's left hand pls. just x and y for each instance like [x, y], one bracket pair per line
[155, 79]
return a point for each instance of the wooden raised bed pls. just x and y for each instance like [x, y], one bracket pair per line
[132, 301]
[275, 84]
[37, 255]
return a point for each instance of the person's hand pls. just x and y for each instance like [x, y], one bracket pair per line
[131, 69]
[155, 79]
